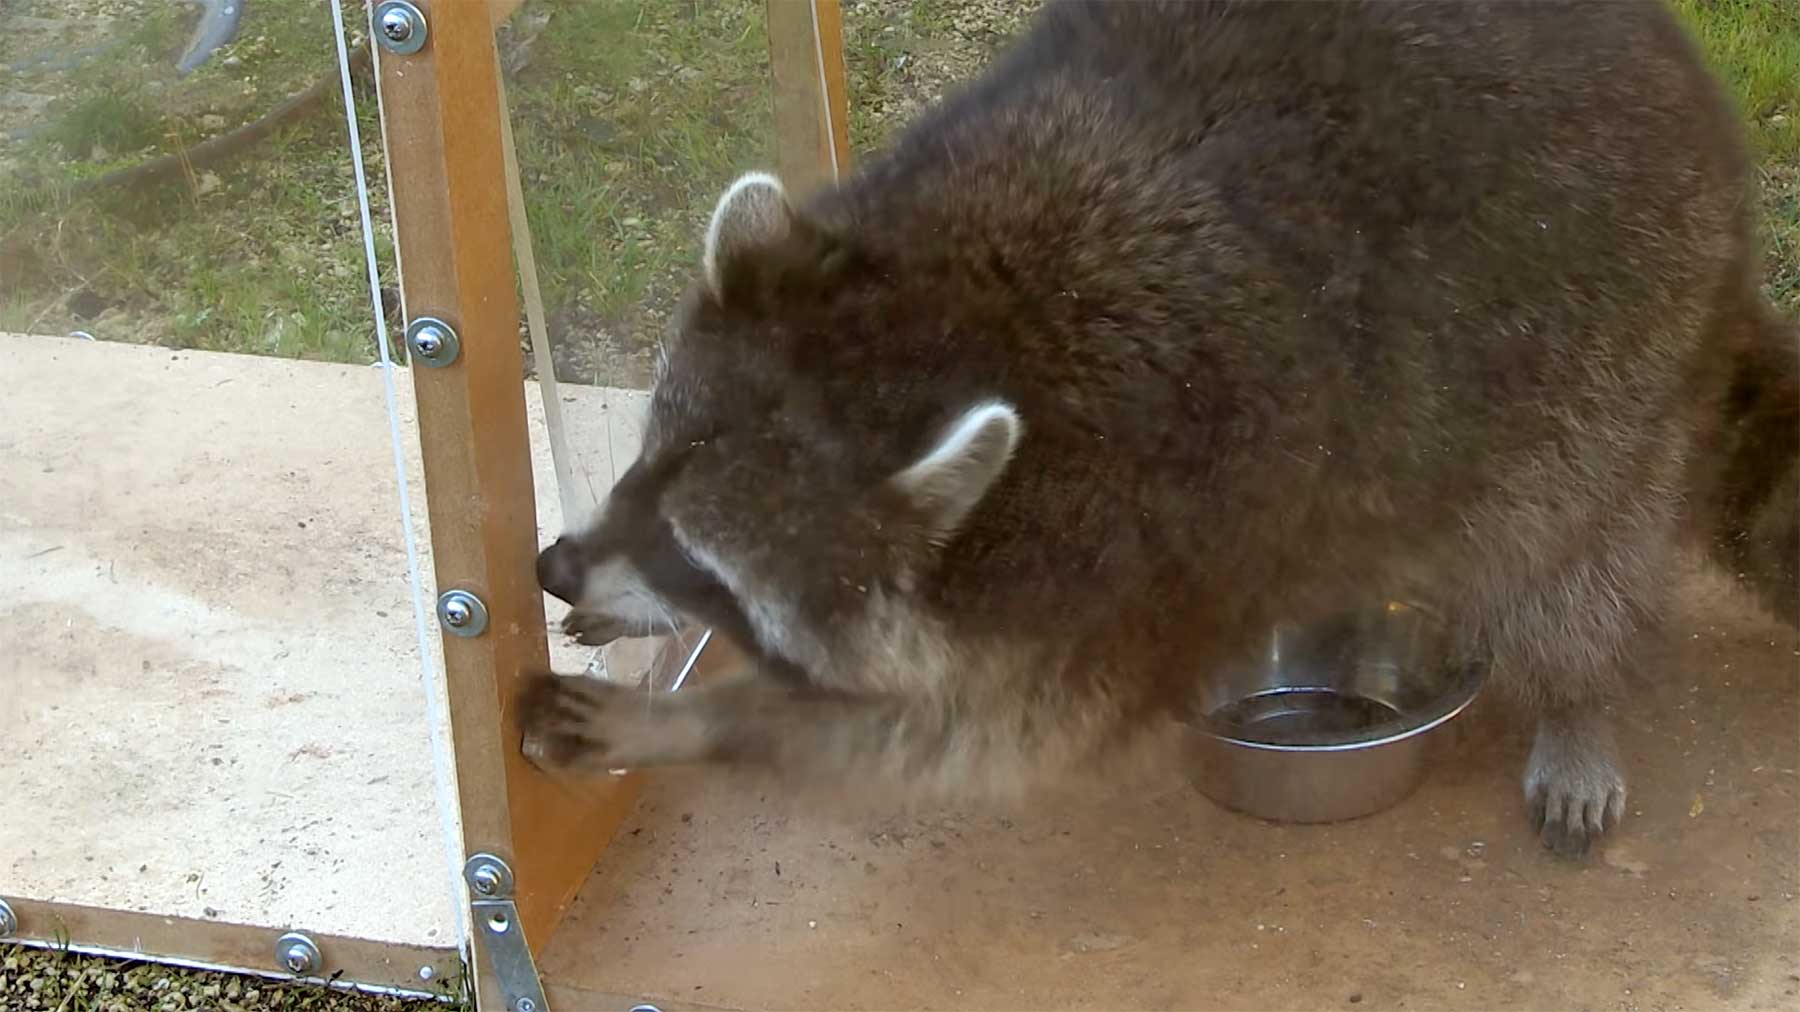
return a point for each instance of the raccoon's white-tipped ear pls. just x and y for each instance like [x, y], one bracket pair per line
[754, 213]
[951, 478]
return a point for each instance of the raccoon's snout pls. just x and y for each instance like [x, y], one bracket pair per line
[560, 571]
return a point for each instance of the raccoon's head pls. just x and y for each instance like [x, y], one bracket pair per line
[792, 501]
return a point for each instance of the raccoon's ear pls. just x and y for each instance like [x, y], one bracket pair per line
[754, 214]
[947, 483]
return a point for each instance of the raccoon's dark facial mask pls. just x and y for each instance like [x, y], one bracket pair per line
[747, 511]
[626, 575]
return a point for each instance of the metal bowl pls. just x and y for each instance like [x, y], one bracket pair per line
[1334, 720]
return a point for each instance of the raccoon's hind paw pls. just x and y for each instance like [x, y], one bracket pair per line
[1573, 787]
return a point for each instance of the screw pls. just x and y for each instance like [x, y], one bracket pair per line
[485, 879]
[463, 614]
[401, 25]
[426, 973]
[296, 953]
[433, 342]
[457, 615]
[525, 1005]
[297, 959]
[429, 342]
[396, 24]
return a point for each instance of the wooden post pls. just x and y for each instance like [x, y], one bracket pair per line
[806, 65]
[441, 123]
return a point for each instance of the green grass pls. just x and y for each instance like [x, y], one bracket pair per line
[1755, 46]
[56, 980]
[630, 119]
[630, 116]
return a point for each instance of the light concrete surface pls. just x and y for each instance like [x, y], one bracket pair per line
[210, 690]
[719, 896]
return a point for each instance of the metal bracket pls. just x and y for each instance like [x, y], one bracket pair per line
[499, 933]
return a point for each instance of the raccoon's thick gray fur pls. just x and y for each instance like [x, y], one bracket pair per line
[1184, 319]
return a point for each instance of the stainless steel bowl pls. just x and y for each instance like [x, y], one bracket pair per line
[1334, 720]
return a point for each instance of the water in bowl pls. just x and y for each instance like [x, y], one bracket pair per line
[1293, 715]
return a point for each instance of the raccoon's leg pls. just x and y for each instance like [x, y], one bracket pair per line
[1564, 647]
[584, 724]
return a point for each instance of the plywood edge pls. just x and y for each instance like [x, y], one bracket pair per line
[360, 963]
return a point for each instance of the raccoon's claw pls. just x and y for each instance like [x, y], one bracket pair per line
[559, 719]
[1569, 821]
[1573, 790]
[593, 630]
[586, 724]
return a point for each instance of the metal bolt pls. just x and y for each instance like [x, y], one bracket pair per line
[462, 613]
[296, 953]
[432, 342]
[9, 921]
[429, 341]
[426, 972]
[525, 1005]
[396, 25]
[401, 26]
[485, 880]
[457, 613]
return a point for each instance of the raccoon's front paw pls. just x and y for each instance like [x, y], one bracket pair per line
[563, 720]
[1573, 788]
[586, 724]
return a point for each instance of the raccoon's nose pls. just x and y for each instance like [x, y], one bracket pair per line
[559, 572]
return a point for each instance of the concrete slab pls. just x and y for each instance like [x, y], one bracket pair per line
[715, 896]
[210, 688]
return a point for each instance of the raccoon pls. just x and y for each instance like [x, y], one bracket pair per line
[1184, 319]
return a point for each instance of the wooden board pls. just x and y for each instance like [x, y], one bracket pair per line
[441, 122]
[208, 944]
[806, 67]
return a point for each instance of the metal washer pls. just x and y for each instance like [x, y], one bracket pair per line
[400, 27]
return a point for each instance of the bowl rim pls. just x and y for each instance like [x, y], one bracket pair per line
[1468, 686]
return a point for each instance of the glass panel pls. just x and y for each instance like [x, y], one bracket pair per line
[208, 656]
[629, 118]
